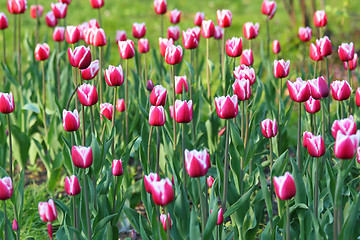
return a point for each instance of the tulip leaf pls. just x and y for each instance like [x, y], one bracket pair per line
[103, 222]
[97, 160]
[32, 107]
[182, 214]
[21, 145]
[194, 226]
[266, 192]
[239, 204]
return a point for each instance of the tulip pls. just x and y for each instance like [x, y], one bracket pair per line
[190, 40]
[72, 186]
[227, 107]
[59, 34]
[149, 85]
[276, 47]
[305, 34]
[91, 71]
[42, 52]
[120, 105]
[117, 168]
[6, 103]
[306, 136]
[319, 88]
[245, 72]
[199, 17]
[242, 89]
[324, 46]
[59, 9]
[340, 90]
[164, 219]
[139, 30]
[314, 53]
[346, 126]
[173, 32]
[87, 94]
[173, 54]
[346, 145]
[158, 96]
[80, 58]
[36, 11]
[358, 155]
[160, 6]
[97, 3]
[210, 181]
[180, 84]
[285, 186]
[50, 19]
[82, 157]
[221, 132]
[106, 110]
[312, 105]
[357, 97]
[183, 111]
[126, 49]
[197, 162]
[149, 180]
[175, 16]
[247, 57]
[143, 45]
[15, 226]
[6, 188]
[320, 18]
[281, 68]
[93, 23]
[299, 90]
[89, 36]
[219, 33]
[250, 30]
[157, 116]
[82, 28]
[233, 47]
[120, 36]
[162, 192]
[71, 120]
[224, 18]
[316, 146]
[17, 6]
[352, 63]
[346, 51]
[99, 37]
[114, 76]
[268, 8]
[3, 21]
[269, 128]
[47, 211]
[207, 29]
[197, 31]
[163, 44]
[220, 218]
[171, 110]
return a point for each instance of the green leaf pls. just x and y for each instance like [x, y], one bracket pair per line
[32, 107]
[194, 226]
[266, 193]
[182, 214]
[21, 145]
[244, 199]
[103, 222]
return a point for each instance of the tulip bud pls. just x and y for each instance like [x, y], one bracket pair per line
[50, 19]
[346, 126]
[47, 211]
[72, 186]
[268, 8]
[276, 47]
[93, 23]
[80, 58]
[6, 103]
[82, 157]
[340, 90]
[180, 84]
[120, 36]
[71, 120]
[171, 110]
[157, 116]
[314, 53]
[42, 52]
[3, 21]
[175, 16]
[352, 63]
[106, 110]
[242, 89]
[316, 146]
[163, 44]
[324, 47]
[269, 128]
[224, 18]
[281, 68]
[149, 85]
[312, 105]
[346, 145]
[139, 30]
[210, 181]
[305, 34]
[117, 168]
[143, 45]
[250, 30]
[319, 88]
[306, 136]
[87, 94]
[114, 76]
[120, 105]
[357, 97]
[233, 47]
[284, 186]
[160, 6]
[190, 40]
[247, 57]
[199, 17]
[126, 49]
[99, 37]
[97, 3]
[197, 163]
[226, 107]
[320, 18]
[299, 90]
[158, 96]
[15, 226]
[173, 32]
[173, 54]
[91, 71]
[149, 180]
[162, 192]
[207, 29]
[220, 218]
[244, 72]
[164, 220]
[36, 11]
[6, 188]
[346, 51]
[183, 111]
[59, 34]
[221, 132]
[59, 9]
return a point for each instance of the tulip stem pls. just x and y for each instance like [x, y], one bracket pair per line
[202, 206]
[208, 71]
[145, 70]
[19, 52]
[191, 81]
[279, 116]
[328, 100]
[58, 69]
[338, 199]
[304, 56]
[316, 194]
[298, 152]
[44, 96]
[172, 73]
[83, 124]
[183, 152]
[4, 54]
[88, 221]
[115, 190]
[76, 86]
[74, 214]
[99, 14]
[10, 148]
[71, 97]
[223, 62]
[92, 119]
[157, 149]
[14, 33]
[113, 122]
[5, 219]
[315, 67]
[268, 40]
[149, 146]
[226, 165]
[351, 85]
[167, 223]
[126, 100]
[271, 187]
[288, 237]
[100, 72]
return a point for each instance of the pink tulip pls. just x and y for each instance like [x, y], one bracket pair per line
[97, 3]
[197, 31]
[314, 53]
[93, 23]
[284, 186]
[72, 186]
[171, 110]
[59, 9]
[346, 145]
[80, 58]
[220, 218]
[281, 68]
[3, 21]
[306, 136]
[88, 35]
[299, 90]
[219, 33]
[242, 89]
[158, 96]
[269, 128]
[173, 32]
[149, 180]
[268, 8]
[346, 126]
[358, 155]
[340, 90]
[114, 76]
[42, 52]
[149, 85]
[82, 157]
[224, 18]
[199, 17]
[210, 181]
[106, 110]
[6, 103]
[197, 163]
[87, 94]
[162, 192]
[82, 28]
[190, 40]
[59, 34]
[319, 88]
[316, 146]
[36, 11]
[175, 16]
[245, 72]
[99, 37]
[17, 6]
[143, 45]
[173, 54]
[346, 51]
[117, 167]
[312, 105]
[163, 44]
[71, 120]
[324, 46]
[139, 30]
[276, 47]
[47, 211]
[352, 63]
[120, 36]
[15, 226]
[250, 30]
[227, 107]
[157, 116]
[247, 57]
[183, 111]
[357, 97]
[305, 34]
[126, 49]
[6, 188]
[164, 220]
[233, 47]
[160, 6]
[207, 29]
[91, 71]
[50, 19]
[320, 18]
[180, 84]
[120, 105]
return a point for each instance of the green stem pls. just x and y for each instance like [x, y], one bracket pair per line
[83, 125]
[288, 237]
[114, 197]
[126, 101]
[226, 165]
[268, 40]
[100, 72]
[183, 153]
[315, 67]
[92, 119]
[338, 198]
[191, 94]
[19, 52]
[76, 86]
[74, 214]
[5, 225]
[351, 85]
[44, 96]
[304, 55]
[4, 53]
[157, 149]
[271, 183]
[328, 100]
[113, 121]
[208, 71]
[10, 147]
[58, 70]
[316, 194]
[149, 147]
[14, 32]
[88, 220]
[99, 14]
[279, 116]
[202, 206]
[247, 117]
[298, 152]
[145, 70]
[172, 72]
[223, 62]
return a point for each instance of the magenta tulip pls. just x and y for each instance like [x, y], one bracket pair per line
[250, 30]
[72, 186]
[149, 180]
[120, 36]
[324, 46]
[210, 181]
[199, 17]
[340, 90]
[269, 128]
[97, 3]
[312, 105]
[242, 89]
[320, 18]
[59, 9]
[346, 126]
[346, 145]
[99, 37]
[36, 11]
[284, 186]
[207, 29]
[82, 157]
[139, 30]
[71, 120]
[91, 71]
[106, 110]
[316, 146]
[3, 21]
[158, 96]
[306, 136]
[305, 34]
[120, 105]
[47, 211]
[268, 8]
[163, 44]
[190, 40]
[276, 47]
[173, 32]
[160, 6]
[226, 107]
[7, 104]
[175, 16]
[319, 88]
[164, 220]
[281, 68]
[314, 53]
[80, 58]
[114, 76]
[352, 63]
[197, 163]
[233, 47]
[346, 51]
[219, 33]
[245, 72]
[87, 94]
[183, 111]
[6, 188]
[117, 167]
[157, 116]
[143, 45]
[247, 57]
[42, 52]
[224, 18]
[180, 84]
[299, 90]
[59, 34]
[126, 49]
[162, 192]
